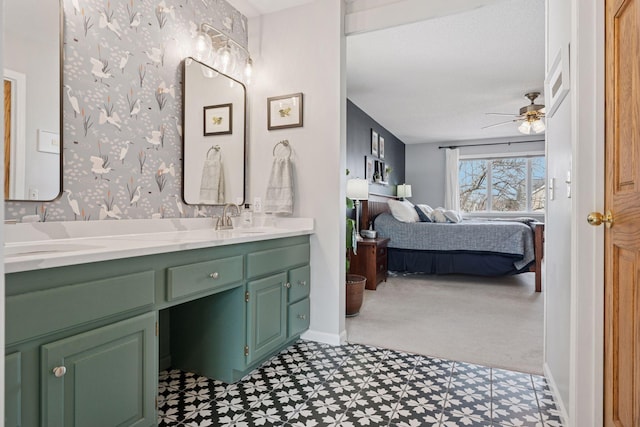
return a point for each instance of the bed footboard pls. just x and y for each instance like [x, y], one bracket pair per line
[538, 246]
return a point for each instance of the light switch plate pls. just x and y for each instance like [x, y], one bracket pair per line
[552, 183]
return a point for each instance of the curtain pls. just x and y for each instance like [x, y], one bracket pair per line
[451, 185]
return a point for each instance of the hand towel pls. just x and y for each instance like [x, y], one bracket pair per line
[279, 197]
[212, 183]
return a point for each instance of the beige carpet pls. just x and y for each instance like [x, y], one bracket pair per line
[495, 322]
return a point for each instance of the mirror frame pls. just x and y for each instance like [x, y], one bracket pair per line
[244, 142]
[60, 106]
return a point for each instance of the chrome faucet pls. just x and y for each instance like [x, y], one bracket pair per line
[225, 223]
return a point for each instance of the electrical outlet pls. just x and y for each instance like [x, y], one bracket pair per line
[33, 193]
[257, 205]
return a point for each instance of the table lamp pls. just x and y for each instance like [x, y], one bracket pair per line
[358, 189]
[403, 190]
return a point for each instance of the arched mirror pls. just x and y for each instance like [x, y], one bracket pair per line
[214, 136]
[32, 52]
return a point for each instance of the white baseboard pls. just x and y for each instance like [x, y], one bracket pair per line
[556, 395]
[324, 337]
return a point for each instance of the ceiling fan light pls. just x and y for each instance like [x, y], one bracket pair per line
[538, 126]
[525, 128]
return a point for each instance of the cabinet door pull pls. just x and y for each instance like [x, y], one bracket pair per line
[302, 316]
[59, 371]
[287, 285]
[302, 283]
[214, 275]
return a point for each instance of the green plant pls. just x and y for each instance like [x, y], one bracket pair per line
[350, 234]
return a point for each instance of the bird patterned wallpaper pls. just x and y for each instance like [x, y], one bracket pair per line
[121, 107]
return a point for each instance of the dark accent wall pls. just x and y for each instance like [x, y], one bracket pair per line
[359, 125]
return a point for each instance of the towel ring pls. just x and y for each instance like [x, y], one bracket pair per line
[214, 147]
[285, 143]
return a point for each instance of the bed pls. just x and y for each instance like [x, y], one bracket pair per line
[477, 247]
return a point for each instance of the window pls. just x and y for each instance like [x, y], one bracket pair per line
[507, 184]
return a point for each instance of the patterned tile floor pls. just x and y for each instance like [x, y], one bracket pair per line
[312, 384]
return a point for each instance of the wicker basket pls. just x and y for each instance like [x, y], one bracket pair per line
[355, 293]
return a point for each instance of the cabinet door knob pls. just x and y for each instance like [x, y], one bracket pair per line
[287, 285]
[214, 275]
[302, 316]
[59, 371]
[302, 283]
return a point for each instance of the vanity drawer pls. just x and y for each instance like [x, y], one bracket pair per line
[299, 280]
[274, 260]
[37, 313]
[298, 317]
[203, 276]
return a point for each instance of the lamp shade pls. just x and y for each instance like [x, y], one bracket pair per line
[525, 128]
[538, 126]
[403, 190]
[358, 189]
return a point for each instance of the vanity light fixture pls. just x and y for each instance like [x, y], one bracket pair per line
[209, 40]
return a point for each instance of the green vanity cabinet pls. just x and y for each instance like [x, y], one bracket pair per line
[83, 341]
[13, 390]
[103, 377]
[248, 320]
[266, 316]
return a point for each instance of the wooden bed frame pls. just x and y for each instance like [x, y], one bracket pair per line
[377, 204]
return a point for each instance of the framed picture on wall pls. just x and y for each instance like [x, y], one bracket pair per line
[218, 119]
[368, 168]
[284, 111]
[381, 147]
[374, 143]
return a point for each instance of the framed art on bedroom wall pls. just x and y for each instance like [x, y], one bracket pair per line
[368, 168]
[374, 143]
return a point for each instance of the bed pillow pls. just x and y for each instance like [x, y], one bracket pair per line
[452, 216]
[438, 215]
[403, 211]
[424, 212]
[422, 216]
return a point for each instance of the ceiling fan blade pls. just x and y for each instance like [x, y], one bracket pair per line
[504, 114]
[500, 124]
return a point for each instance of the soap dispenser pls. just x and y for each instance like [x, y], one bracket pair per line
[247, 216]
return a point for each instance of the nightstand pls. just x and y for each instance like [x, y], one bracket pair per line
[371, 261]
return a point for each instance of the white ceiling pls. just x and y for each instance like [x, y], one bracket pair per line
[253, 8]
[434, 80]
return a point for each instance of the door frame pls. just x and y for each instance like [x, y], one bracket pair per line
[587, 245]
[18, 166]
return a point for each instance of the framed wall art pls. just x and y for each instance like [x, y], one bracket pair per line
[284, 111]
[381, 147]
[374, 143]
[218, 119]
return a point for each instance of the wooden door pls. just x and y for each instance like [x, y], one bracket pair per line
[7, 136]
[622, 198]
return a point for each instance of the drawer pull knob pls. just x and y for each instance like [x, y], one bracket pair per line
[59, 371]
[302, 283]
[302, 316]
[287, 285]
[214, 275]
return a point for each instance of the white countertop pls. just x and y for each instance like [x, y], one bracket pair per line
[36, 246]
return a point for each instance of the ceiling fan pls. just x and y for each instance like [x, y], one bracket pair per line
[530, 115]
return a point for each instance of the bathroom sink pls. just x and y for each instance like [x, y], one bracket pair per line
[44, 248]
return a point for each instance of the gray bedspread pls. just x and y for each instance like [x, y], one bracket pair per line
[498, 237]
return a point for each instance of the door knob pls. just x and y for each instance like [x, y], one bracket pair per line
[596, 218]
